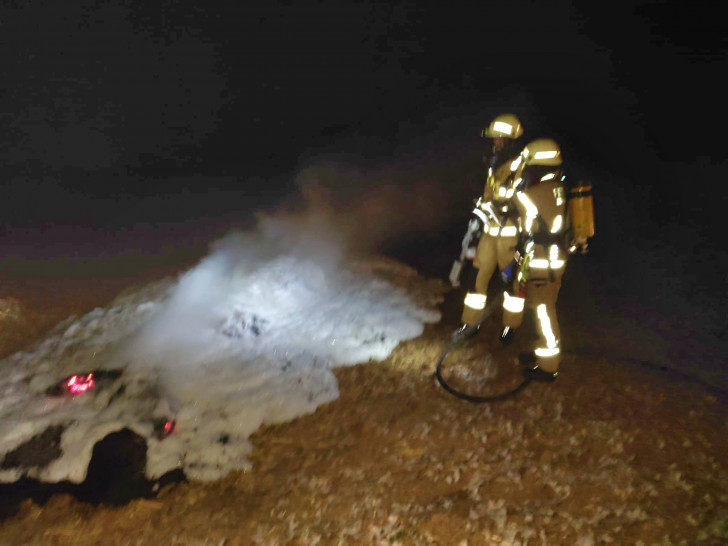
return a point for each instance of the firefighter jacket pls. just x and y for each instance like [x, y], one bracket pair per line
[496, 200]
[540, 198]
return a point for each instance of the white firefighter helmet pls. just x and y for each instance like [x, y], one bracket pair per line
[504, 126]
[542, 151]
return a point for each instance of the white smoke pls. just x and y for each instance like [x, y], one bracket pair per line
[240, 270]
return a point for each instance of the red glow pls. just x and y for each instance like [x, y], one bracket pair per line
[168, 428]
[78, 384]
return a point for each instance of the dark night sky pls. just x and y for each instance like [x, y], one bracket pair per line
[106, 104]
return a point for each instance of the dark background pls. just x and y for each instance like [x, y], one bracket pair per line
[99, 97]
[132, 128]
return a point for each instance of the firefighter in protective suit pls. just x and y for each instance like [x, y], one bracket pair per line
[496, 218]
[539, 262]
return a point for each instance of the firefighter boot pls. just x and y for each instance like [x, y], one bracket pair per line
[531, 371]
[506, 335]
[464, 332]
[537, 374]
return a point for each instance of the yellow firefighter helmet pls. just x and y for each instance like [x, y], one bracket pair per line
[503, 126]
[542, 151]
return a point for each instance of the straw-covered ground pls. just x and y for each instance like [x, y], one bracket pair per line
[611, 453]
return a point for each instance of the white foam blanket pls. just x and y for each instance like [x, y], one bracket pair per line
[245, 338]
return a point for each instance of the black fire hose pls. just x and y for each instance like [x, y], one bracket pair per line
[495, 302]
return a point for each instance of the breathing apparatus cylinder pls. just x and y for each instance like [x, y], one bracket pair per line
[581, 211]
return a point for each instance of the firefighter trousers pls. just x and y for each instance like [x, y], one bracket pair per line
[540, 296]
[493, 252]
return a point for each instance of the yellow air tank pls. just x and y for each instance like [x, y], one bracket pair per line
[581, 210]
